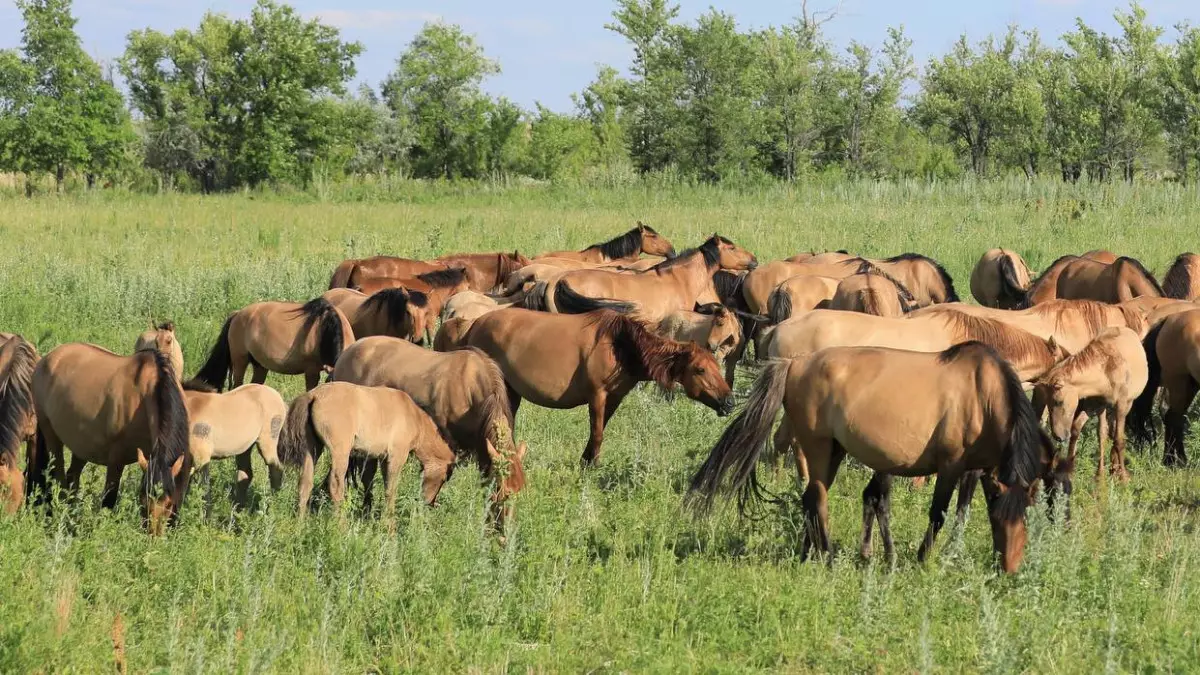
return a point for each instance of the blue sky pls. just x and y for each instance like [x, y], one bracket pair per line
[551, 48]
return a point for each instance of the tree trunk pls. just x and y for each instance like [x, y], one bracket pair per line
[60, 175]
[91, 181]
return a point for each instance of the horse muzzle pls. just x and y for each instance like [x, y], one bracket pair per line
[725, 407]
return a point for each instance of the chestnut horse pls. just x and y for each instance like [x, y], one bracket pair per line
[485, 271]
[18, 423]
[564, 361]
[435, 289]
[900, 413]
[1000, 279]
[625, 247]
[1082, 278]
[1182, 280]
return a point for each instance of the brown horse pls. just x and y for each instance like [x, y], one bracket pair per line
[392, 311]
[1182, 280]
[230, 425]
[626, 247]
[821, 258]
[1172, 351]
[463, 391]
[435, 288]
[1104, 378]
[923, 276]
[1000, 279]
[280, 337]
[486, 271]
[380, 423]
[1071, 323]
[471, 305]
[18, 423]
[452, 334]
[676, 284]
[565, 361]
[802, 293]
[1080, 278]
[110, 410]
[872, 292]
[714, 327]
[763, 280]
[900, 413]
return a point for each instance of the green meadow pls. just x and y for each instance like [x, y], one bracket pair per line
[605, 570]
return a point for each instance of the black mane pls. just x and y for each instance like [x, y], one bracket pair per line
[622, 245]
[451, 276]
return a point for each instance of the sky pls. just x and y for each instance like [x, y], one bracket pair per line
[548, 49]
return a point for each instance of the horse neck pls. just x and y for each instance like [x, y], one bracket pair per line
[691, 276]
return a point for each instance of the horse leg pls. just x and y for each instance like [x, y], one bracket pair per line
[598, 415]
[1118, 438]
[245, 473]
[305, 485]
[311, 379]
[366, 476]
[822, 467]
[72, 476]
[268, 449]
[1101, 436]
[514, 402]
[966, 493]
[259, 375]
[239, 361]
[1081, 419]
[884, 516]
[112, 485]
[943, 490]
[872, 498]
[1180, 393]
[780, 445]
[340, 456]
[391, 475]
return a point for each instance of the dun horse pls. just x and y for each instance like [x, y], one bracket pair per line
[1173, 357]
[230, 425]
[1078, 278]
[1104, 378]
[485, 271]
[900, 413]
[18, 423]
[872, 291]
[435, 288]
[379, 423]
[1182, 280]
[714, 327]
[626, 247]
[1000, 279]
[109, 410]
[280, 337]
[802, 293]
[393, 311]
[1071, 323]
[565, 361]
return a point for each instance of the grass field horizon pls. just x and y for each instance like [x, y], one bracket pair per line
[605, 571]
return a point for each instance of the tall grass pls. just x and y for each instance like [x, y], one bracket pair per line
[605, 570]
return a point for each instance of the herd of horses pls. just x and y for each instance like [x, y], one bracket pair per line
[877, 359]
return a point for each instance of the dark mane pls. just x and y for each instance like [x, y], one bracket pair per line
[1043, 277]
[947, 281]
[729, 288]
[392, 303]
[16, 397]
[201, 386]
[710, 249]
[170, 439]
[1137, 265]
[620, 246]
[868, 267]
[641, 352]
[319, 313]
[451, 276]
[1178, 281]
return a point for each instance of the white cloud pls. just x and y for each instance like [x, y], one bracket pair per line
[375, 19]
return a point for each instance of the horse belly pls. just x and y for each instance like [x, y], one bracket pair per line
[884, 435]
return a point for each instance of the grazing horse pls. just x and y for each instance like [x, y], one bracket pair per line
[280, 337]
[564, 361]
[762, 281]
[463, 391]
[1172, 350]
[485, 271]
[1000, 279]
[923, 276]
[714, 327]
[375, 422]
[229, 425]
[900, 413]
[397, 312]
[1104, 378]
[626, 247]
[114, 410]
[435, 289]
[676, 284]
[802, 293]
[1071, 323]
[1082, 278]
[872, 291]
[1182, 280]
[18, 423]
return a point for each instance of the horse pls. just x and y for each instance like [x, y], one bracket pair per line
[564, 361]
[110, 410]
[1182, 280]
[923, 276]
[485, 271]
[380, 266]
[802, 293]
[451, 334]
[676, 284]
[471, 305]
[465, 394]
[435, 289]
[900, 413]
[1000, 279]
[288, 338]
[1071, 323]
[1172, 350]
[18, 423]
[1104, 378]
[374, 422]
[625, 247]
[229, 425]
[762, 281]
[1081, 278]
[872, 292]
[714, 327]
[397, 312]
[821, 258]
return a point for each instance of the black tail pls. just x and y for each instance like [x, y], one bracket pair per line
[741, 444]
[299, 438]
[170, 437]
[1011, 291]
[569, 302]
[535, 298]
[1139, 424]
[779, 305]
[217, 370]
[328, 319]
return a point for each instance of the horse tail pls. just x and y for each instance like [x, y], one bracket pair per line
[299, 439]
[535, 298]
[1140, 423]
[327, 318]
[779, 305]
[1010, 290]
[569, 302]
[740, 445]
[219, 366]
[170, 434]
[341, 274]
[16, 399]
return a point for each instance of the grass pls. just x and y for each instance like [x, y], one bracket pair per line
[606, 571]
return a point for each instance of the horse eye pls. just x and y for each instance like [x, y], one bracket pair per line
[699, 371]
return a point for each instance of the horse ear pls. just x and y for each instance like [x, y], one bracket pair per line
[142, 461]
[491, 450]
[168, 326]
[1053, 344]
[177, 467]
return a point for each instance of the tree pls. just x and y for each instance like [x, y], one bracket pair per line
[436, 87]
[600, 104]
[1180, 106]
[871, 96]
[790, 68]
[657, 84]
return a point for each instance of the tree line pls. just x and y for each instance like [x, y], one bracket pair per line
[265, 100]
